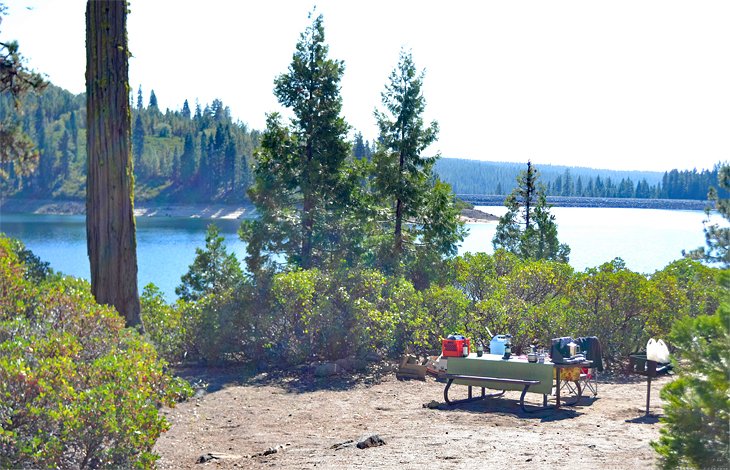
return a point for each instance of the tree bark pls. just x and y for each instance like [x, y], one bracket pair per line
[110, 226]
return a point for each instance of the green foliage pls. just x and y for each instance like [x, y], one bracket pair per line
[213, 269]
[717, 237]
[304, 185]
[18, 155]
[76, 388]
[528, 229]
[614, 303]
[420, 211]
[163, 324]
[697, 403]
[331, 315]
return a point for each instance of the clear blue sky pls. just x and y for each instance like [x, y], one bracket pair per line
[623, 84]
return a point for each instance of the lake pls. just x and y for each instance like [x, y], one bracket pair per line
[646, 239]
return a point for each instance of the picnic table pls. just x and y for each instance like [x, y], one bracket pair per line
[491, 371]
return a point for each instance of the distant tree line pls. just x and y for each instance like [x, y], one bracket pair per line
[200, 153]
[477, 177]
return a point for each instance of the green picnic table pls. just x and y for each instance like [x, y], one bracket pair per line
[491, 371]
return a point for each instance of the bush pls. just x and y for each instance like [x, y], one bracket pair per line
[163, 324]
[697, 402]
[76, 388]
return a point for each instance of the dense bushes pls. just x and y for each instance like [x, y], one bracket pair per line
[76, 388]
[303, 315]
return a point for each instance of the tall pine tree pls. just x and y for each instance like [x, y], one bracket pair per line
[299, 189]
[404, 177]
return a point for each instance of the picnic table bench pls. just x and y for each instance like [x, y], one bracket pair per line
[487, 381]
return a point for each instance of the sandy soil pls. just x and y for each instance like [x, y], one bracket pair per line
[299, 419]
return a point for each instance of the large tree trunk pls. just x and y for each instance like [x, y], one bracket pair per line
[110, 230]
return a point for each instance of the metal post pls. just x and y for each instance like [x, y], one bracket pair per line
[648, 393]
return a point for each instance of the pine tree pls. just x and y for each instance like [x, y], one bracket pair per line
[138, 134]
[535, 236]
[299, 190]
[186, 110]
[153, 102]
[402, 171]
[188, 165]
[140, 99]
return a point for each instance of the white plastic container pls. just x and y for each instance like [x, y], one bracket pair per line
[651, 350]
[496, 346]
[662, 352]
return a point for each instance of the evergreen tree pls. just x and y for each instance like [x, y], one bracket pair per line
[214, 269]
[111, 239]
[188, 165]
[17, 152]
[359, 148]
[153, 102]
[717, 237]
[299, 191]
[140, 99]
[138, 134]
[186, 110]
[528, 229]
[65, 154]
[402, 172]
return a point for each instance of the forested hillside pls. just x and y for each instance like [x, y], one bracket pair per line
[197, 154]
[478, 177]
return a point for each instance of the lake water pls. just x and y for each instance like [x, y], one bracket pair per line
[646, 239]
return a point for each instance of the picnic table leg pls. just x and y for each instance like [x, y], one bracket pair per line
[446, 391]
[557, 388]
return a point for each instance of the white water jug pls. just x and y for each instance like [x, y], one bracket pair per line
[651, 350]
[662, 352]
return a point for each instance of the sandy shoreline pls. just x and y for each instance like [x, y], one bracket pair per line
[146, 209]
[141, 209]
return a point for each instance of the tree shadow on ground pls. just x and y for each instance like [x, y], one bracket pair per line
[646, 419]
[211, 379]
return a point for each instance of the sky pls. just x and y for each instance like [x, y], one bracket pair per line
[625, 85]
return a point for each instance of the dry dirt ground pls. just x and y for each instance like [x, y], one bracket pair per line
[236, 417]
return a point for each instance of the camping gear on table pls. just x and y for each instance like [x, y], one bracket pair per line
[507, 347]
[532, 355]
[496, 345]
[455, 346]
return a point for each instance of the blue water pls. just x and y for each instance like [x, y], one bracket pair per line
[646, 239]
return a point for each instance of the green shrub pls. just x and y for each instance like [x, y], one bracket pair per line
[76, 388]
[163, 324]
[697, 403]
[613, 303]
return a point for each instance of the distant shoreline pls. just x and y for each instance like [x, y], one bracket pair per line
[608, 202]
[141, 209]
[247, 210]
